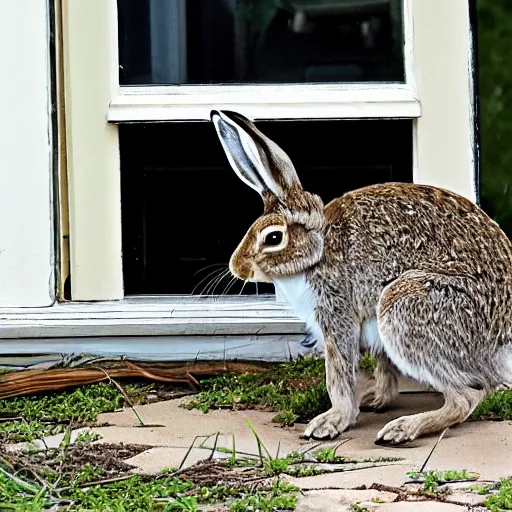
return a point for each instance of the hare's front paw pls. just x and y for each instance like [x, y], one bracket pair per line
[401, 430]
[327, 425]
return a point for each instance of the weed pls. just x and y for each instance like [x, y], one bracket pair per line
[168, 470]
[367, 363]
[88, 473]
[303, 471]
[328, 455]
[502, 500]
[480, 489]
[456, 475]
[433, 479]
[184, 503]
[357, 508]
[497, 406]
[281, 496]
[295, 390]
[138, 394]
[44, 415]
[87, 437]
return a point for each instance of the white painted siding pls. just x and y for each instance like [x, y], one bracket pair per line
[26, 234]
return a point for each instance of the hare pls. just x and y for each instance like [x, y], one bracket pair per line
[418, 275]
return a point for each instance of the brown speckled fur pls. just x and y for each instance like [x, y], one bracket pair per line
[428, 264]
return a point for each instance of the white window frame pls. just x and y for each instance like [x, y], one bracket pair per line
[438, 95]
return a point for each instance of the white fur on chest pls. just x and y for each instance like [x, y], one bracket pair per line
[299, 294]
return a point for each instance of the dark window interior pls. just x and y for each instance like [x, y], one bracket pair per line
[260, 41]
[184, 210]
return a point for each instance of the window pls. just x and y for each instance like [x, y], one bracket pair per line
[125, 111]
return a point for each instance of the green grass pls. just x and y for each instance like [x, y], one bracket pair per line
[433, 479]
[48, 414]
[87, 437]
[497, 406]
[502, 500]
[140, 493]
[296, 391]
[367, 363]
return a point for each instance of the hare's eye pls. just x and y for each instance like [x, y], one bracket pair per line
[274, 238]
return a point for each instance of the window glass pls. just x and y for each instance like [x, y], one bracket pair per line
[260, 41]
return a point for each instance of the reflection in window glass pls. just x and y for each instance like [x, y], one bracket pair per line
[260, 41]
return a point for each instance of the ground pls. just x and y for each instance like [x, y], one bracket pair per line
[170, 457]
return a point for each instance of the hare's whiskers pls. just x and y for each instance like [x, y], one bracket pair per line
[230, 285]
[211, 284]
[223, 276]
[215, 272]
[209, 266]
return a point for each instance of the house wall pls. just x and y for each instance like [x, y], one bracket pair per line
[26, 234]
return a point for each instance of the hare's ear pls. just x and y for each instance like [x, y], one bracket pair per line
[258, 161]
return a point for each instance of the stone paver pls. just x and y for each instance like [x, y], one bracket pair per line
[481, 446]
[423, 506]
[180, 427]
[338, 500]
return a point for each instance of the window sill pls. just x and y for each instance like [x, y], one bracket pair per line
[153, 316]
[152, 328]
[305, 101]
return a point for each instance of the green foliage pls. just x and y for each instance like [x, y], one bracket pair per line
[295, 390]
[132, 494]
[87, 437]
[495, 84]
[368, 363]
[497, 406]
[41, 414]
[503, 499]
[433, 479]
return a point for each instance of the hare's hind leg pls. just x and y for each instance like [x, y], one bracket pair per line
[427, 322]
[457, 407]
[383, 388]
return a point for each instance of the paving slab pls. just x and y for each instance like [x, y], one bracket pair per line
[461, 448]
[339, 500]
[179, 428]
[422, 506]
[481, 446]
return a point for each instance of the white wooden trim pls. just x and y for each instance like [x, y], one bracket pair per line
[323, 101]
[26, 233]
[274, 348]
[444, 143]
[91, 79]
[175, 316]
